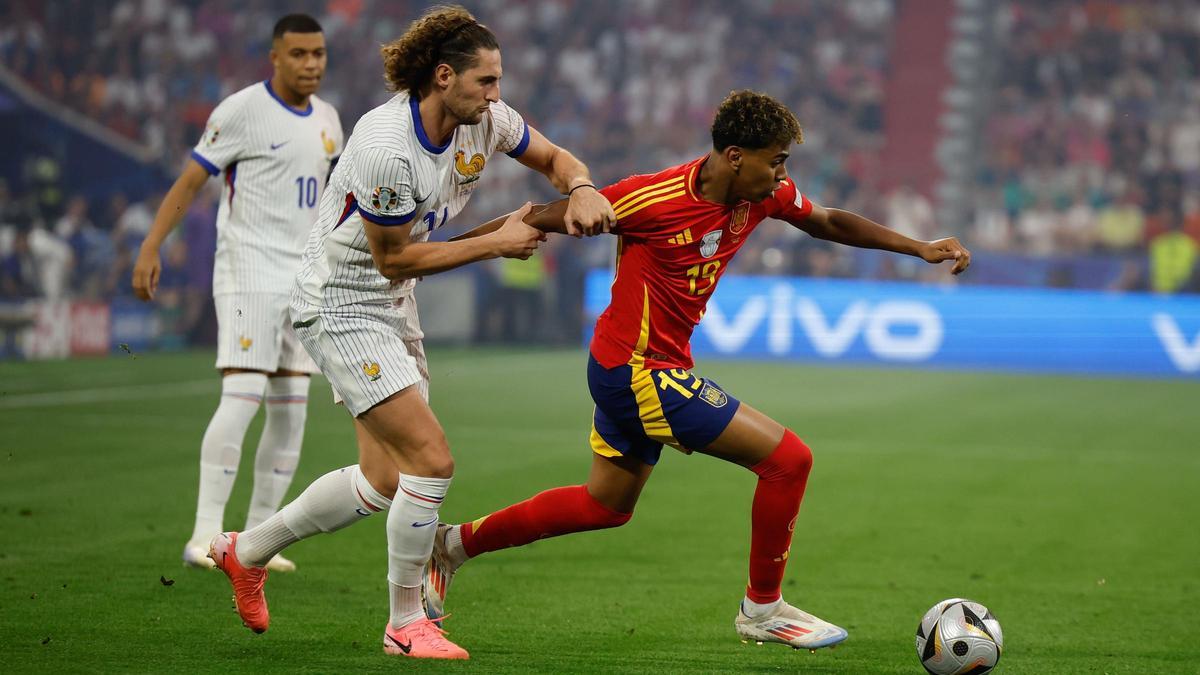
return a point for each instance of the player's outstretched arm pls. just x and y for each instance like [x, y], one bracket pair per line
[587, 211]
[545, 217]
[178, 200]
[398, 257]
[845, 227]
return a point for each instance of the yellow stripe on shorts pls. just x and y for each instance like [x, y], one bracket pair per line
[650, 411]
[601, 446]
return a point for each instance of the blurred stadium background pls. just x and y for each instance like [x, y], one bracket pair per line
[1060, 140]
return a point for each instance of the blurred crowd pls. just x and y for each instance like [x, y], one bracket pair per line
[1093, 142]
[1093, 146]
[629, 86]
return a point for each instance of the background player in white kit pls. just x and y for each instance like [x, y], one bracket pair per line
[410, 166]
[274, 141]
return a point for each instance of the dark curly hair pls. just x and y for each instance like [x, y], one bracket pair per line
[754, 121]
[444, 34]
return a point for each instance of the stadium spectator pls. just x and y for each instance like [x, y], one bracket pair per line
[1038, 227]
[52, 259]
[909, 213]
[1077, 227]
[1173, 259]
[18, 271]
[1121, 226]
[92, 249]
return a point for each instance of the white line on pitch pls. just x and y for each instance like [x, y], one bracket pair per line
[133, 392]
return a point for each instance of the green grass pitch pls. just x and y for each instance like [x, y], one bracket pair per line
[1069, 506]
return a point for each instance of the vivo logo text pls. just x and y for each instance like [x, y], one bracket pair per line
[892, 330]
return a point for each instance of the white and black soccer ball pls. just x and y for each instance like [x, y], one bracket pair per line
[959, 637]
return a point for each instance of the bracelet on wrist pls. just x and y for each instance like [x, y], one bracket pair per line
[572, 190]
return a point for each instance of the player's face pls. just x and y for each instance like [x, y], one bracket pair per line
[760, 172]
[473, 90]
[299, 60]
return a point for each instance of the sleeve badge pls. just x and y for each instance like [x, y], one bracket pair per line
[384, 199]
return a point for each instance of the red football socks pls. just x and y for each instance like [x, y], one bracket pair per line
[548, 514]
[781, 480]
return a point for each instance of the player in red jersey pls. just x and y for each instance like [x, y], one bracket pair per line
[678, 230]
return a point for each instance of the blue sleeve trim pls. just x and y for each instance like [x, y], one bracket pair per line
[387, 220]
[520, 149]
[208, 166]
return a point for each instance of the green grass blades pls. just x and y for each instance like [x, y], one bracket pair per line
[1067, 506]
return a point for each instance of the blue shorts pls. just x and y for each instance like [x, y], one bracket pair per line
[638, 411]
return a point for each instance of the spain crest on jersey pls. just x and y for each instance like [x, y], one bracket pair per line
[739, 218]
[713, 396]
[709, 244]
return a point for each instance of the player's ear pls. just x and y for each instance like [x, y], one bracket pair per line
[733, 155]
[443, 75]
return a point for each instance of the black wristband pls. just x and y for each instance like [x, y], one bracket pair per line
[569, 192]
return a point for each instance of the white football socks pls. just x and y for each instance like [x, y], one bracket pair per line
[279, 447]
[755, 610]
[221, 450]
[333, 501]
[454, 547]
[411, 524]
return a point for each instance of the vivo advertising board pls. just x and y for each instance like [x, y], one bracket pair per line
[963, 327]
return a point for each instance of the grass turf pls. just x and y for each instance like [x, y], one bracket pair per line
[1067, 505]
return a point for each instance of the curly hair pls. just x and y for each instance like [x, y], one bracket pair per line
[754, 121]
[444, 34]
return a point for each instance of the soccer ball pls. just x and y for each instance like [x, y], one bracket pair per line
[959, 637]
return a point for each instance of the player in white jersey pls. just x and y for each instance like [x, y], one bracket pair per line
[409, 167]
[274, 141]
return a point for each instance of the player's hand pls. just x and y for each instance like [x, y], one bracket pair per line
[145, 274]
[588, 213]
[515, 239]
[941, 250]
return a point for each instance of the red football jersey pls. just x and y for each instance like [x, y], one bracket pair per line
[673, 246]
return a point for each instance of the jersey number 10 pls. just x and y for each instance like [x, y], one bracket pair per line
[306, 192]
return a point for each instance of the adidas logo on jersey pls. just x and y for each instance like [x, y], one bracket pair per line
[682, 238]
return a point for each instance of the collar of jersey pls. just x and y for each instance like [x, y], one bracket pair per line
[298, 113]
[415, 107]
[693, 184]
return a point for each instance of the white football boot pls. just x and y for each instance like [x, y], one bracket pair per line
[278, 563]
[789, 626]
[197, 556]
[439, 571]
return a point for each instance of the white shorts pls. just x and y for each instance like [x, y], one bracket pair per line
[368, 352]
[254, 332]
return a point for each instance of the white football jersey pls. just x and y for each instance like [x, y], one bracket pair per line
[393, 175]
[275, 160]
